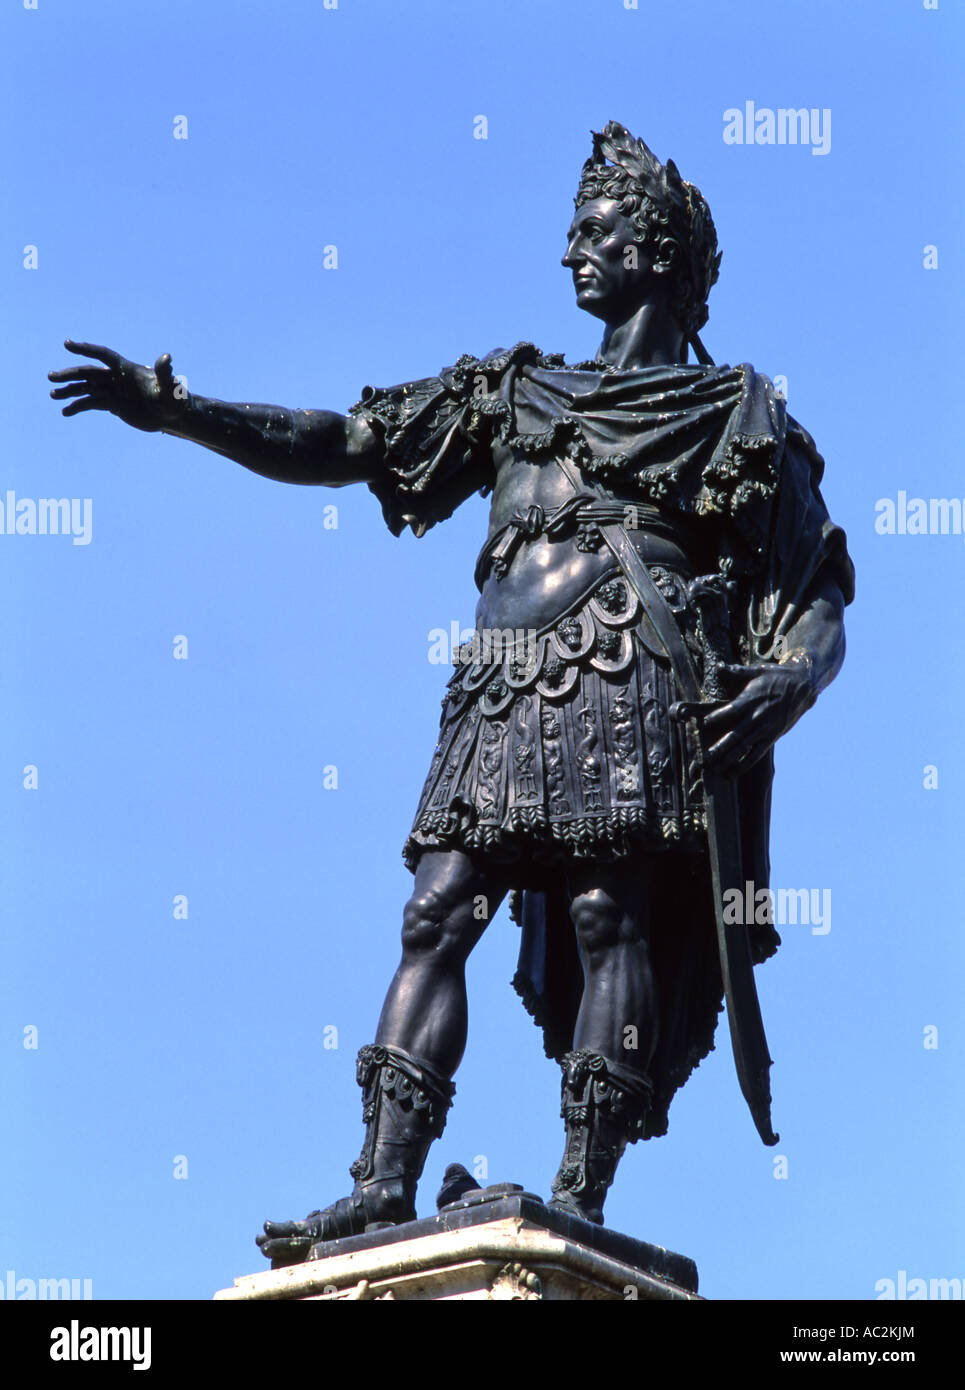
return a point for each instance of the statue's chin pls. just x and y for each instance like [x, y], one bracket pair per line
[590, 305]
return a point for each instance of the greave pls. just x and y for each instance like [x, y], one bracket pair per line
[404, 1106]
[604, 1105]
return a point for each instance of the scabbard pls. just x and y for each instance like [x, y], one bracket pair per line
[747, 1037]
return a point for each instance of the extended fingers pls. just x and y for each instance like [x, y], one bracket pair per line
[88, 403]
[103, 354]
[77, 388]
[80, 374]
[85, 382]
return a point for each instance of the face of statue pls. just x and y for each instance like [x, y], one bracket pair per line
[612, 280]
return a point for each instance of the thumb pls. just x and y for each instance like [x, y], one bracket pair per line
[165, 374]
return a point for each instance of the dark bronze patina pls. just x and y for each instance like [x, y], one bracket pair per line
[661, 598]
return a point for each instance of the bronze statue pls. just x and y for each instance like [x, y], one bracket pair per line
[661, 598]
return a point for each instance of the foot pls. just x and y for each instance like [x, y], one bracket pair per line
[290, 1242]
[563, 1201]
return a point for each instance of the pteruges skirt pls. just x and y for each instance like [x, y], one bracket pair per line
[560, 745]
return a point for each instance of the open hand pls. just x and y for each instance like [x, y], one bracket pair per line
[139, 396]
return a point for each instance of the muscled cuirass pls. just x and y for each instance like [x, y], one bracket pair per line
[544, 552]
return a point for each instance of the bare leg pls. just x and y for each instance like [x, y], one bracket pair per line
[426, 1010]
[606, 1089]
[618, 1013]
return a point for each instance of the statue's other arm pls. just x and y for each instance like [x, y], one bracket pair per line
[291, 446]
[773, 699]
[815, 642]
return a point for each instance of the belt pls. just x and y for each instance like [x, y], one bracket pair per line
[582, 515]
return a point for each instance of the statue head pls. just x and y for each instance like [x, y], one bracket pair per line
[640, 234]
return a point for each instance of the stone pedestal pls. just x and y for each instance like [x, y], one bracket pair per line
[497, 1244]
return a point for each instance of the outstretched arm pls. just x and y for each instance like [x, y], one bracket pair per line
[291, 446]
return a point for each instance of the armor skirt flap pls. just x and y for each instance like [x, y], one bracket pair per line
[560, 744]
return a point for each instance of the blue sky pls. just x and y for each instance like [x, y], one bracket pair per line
[308, 647]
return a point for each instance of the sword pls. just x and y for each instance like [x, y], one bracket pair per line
[747, 1036]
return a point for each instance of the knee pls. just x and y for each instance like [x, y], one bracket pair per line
[600, 922]
[429, 925]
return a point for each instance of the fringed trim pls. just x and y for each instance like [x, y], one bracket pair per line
[578, 838]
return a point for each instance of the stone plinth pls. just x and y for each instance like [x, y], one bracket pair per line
[487, 1248]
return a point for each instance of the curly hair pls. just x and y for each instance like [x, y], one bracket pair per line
[670, 218]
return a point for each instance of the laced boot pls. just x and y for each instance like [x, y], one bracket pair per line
[604, 1106]
[404, 1106]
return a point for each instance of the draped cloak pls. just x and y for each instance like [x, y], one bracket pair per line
[713, 446]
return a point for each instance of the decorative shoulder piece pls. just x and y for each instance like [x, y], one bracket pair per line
[464, 377]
